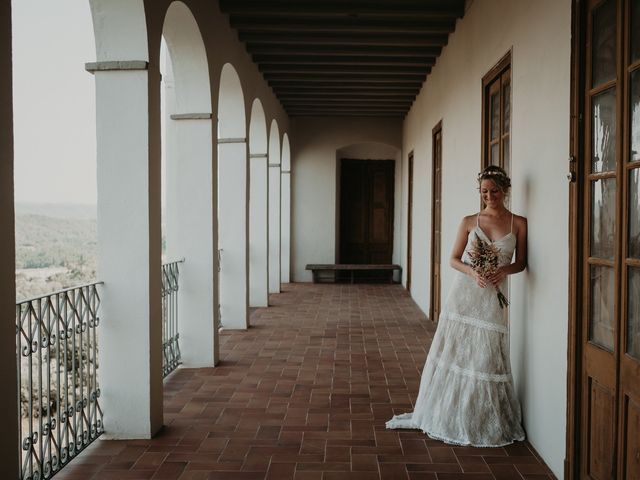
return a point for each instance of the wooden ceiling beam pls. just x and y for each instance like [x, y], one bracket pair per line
[329, 90]
[339, 77]
[346, 101]
[326, 39]
[337, 99]
[346, 114]
[337, 51]
[275, 8]
[302, 59]
[346, 69]
[260, 24]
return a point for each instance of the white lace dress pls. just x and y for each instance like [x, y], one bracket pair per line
[466, 394]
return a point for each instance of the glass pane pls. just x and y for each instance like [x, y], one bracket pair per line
[633, 314]
[603, 218]
[495, 116]
[602, 303]
[634, 213]
[506, 152]
[604, 132]
[603, 55]
[495, 154]
[506, 118]
[634, 112]
[635, 30]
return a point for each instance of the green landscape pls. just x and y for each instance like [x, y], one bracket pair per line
[56, 247]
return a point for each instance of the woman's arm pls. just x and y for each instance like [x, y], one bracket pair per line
[458, 249]
[520, 262]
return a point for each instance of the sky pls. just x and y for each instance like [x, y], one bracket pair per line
[54, 102]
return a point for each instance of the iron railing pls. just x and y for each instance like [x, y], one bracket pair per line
[171, 356]
[57, 349]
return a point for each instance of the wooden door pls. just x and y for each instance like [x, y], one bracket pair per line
[409, 221]
[366, 211]
[608, 352]
[436, 223]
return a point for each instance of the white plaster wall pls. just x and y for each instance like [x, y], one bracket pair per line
[538, 33]
[314, 169]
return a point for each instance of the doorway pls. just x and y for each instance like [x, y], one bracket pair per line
[604, 401]
[436, 222]
[409, 221]
[366, 211]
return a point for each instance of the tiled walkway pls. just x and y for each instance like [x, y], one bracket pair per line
[304, 394]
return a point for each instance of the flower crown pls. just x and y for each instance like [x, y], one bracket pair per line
[492, 173]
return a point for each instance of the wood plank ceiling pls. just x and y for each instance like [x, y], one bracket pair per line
[344, 58]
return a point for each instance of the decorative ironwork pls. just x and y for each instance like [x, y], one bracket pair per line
[171, 356]
[57, 349]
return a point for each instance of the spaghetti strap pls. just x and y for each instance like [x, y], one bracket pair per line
[478, 219]
[511, 222]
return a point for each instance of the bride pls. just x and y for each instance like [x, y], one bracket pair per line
[466, 394]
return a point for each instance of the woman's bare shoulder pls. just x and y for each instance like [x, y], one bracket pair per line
[469, 221]
[519, 221]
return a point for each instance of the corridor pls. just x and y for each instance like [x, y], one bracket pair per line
[304, 394]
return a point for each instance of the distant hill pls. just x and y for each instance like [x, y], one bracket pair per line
[44, 241]
[58, 210]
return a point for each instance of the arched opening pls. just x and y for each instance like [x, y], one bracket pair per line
[274, 208]
[48, 185]
[285, 230]
[233, 198]
[258, 208]
[188, 188]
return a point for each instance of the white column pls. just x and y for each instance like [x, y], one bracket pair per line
[191, 207]
[233, 216]
[285, 230]
[9, 441]
[129, 249]
[259, 231]
[274, 228]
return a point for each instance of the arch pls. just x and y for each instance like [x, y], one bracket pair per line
[274, 208]
[258, 208]
[285, 208]
[274, 143]
[188, 60]
[258, 142]
[231, 116]
[233, 198]
[120, 30]
[189, 182]
[286, 154]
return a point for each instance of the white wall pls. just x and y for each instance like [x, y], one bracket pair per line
[538, 33]
[317, 141]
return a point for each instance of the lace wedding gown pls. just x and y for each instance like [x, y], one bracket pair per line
[466, 394]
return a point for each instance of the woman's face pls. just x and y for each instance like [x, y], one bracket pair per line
[491, 194]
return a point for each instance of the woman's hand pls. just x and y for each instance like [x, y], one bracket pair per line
[497, 278]
[479, 279]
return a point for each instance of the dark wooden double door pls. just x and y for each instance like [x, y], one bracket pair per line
[608, 239]
[366, 211]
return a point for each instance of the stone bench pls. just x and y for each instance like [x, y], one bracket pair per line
[352, 268]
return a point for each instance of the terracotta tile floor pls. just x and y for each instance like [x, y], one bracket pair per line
[304, 395]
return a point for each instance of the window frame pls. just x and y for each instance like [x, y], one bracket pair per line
[496, 75]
